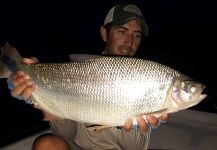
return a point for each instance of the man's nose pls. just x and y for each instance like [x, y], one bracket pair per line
[129, 40]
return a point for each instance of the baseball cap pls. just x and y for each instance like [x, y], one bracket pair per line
[122, 13]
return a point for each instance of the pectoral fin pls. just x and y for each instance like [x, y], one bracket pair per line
[160, 112]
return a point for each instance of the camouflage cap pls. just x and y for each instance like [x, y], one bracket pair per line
[123, 13]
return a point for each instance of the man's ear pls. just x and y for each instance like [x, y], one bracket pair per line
[103, 33]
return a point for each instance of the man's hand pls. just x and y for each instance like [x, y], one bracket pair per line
[20, 83]
[22, 86]
[143, 126]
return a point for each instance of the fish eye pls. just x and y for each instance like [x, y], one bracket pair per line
[188, 86]
[193, 90]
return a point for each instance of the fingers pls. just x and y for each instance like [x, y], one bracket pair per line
[23, 89]
[164, 118]
[19, 77]
[31, 60]
[128, 124]
[135, 123]
[22, 85]
[143, 122]
[152, 121]
[28, 92]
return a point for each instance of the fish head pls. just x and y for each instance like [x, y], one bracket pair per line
[186, 93]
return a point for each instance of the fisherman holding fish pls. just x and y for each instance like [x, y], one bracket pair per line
[122, 31]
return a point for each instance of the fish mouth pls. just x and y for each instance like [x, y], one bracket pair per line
[203, 93]
[202, 96]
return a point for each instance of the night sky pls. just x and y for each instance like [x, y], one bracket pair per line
[182, 34]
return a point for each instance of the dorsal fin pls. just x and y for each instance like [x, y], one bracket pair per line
[82, 57]
[9, 59]
[8, 50]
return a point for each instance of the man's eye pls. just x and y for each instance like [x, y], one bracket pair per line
[122, 31]
[138, 35]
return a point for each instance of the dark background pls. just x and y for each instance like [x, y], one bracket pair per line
[182, 34]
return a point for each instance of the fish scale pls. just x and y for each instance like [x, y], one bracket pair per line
[104, 90]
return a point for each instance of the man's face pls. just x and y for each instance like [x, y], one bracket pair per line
[124, 39]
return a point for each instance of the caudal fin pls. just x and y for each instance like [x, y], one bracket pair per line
[8, 60]
[4, 72]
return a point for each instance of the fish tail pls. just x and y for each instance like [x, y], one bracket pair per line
[9, 60]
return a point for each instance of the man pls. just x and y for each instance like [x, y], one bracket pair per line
[122, 31]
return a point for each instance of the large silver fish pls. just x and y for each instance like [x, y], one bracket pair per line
[105, 90]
